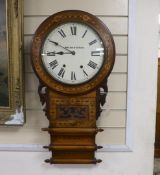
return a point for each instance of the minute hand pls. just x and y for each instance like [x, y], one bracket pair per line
[72, 52]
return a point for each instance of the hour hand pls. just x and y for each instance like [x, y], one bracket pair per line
[52, 53]
[49, 54]
[62, 53]
[56, 53]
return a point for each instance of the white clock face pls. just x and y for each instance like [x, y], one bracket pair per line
[73, 53]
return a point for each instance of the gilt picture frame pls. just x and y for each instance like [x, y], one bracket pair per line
[11, 63]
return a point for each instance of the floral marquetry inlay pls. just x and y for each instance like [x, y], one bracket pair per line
[73, 53]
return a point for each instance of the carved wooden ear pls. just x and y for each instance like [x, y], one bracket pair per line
[42, 92]
[103, 92]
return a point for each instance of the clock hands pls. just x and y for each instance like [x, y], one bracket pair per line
[57, 44]
[56, 53]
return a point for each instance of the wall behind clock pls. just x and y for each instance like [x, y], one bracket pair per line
[114, 117]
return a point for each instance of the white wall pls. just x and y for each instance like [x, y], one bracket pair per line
[113, 119]
[159, 38]
[142, 101]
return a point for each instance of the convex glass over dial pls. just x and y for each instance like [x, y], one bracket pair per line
[73, 53]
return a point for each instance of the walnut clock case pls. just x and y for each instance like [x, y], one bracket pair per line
[73, 53]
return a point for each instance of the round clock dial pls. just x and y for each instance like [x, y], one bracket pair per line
[73, 53]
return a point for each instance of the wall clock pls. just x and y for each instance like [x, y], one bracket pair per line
[73, 53]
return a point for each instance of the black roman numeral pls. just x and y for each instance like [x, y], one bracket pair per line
[73, 76]
[61, 32]
[53, 64]
[92, 42]
[92, 64]
[85, 73]
[84, 34]
[73, 30]
[95, 53]
[61, 72]
[50, 53]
